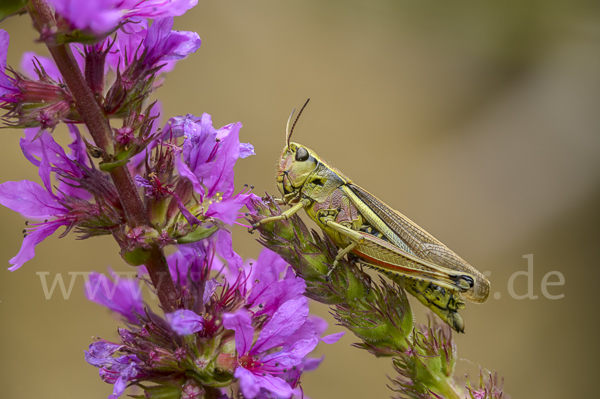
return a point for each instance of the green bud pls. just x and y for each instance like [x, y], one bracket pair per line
[137, 257]
[428, 364]
[157, 210]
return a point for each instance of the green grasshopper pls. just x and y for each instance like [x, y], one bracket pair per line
[375, 235]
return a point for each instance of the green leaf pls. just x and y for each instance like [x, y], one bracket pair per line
[198, 234]
[110, 166]
[123, 155]
[10, 7]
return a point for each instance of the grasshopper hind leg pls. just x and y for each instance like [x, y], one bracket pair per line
[339, 257]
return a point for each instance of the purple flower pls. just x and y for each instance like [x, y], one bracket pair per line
[68, 207]
[251, 273]
[152, 46]
[200, 149]
[103, 16]
[36, 149]
[189, 260]
[117, 371]
[268, 259]
[192, 261]
[32, 201]
[34, 100]
[260, 365]
[228, 210]
[185, 322]
[123, 295]
[100, 351]
[163, 44]
[209, 156]
[221, 175]
[314, 325]
[270, 293]
[127, 45]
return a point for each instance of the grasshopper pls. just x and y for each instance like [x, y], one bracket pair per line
[375, 235]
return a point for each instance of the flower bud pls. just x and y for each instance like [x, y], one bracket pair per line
[95, 59]
[124, 135]
[37, 103]
[136, 257]
[116, 96]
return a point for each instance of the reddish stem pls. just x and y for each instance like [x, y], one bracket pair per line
[100, 130]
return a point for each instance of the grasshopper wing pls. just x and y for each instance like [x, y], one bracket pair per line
[423, 244]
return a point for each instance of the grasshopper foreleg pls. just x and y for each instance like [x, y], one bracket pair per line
[284, 216]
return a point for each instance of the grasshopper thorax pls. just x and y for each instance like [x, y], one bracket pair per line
[296, 164]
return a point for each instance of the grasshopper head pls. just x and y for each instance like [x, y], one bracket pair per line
[295, 166]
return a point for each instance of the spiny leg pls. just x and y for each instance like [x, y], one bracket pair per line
[339, 257]
[284, 216]
[354, 236]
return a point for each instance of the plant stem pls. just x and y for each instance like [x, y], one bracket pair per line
[100, 130]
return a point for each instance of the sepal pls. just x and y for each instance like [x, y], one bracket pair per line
[199, 233]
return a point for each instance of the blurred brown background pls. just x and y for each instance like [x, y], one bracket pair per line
[478, 120]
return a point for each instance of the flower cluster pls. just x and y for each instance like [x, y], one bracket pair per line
[152, 186]
[185, 169]
[253, 325]
[188, 188]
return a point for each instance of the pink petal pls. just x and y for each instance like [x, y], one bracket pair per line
[29, 199]
[241, 323]
[249, 384]
[32, 239]
[288, 318]
[276, 385]
[225, 250]
[185, 171]
[312, 363]
[333, 338]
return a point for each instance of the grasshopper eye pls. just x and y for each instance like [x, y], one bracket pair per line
[301, 154]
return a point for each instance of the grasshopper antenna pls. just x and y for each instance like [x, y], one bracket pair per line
[288, 135]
